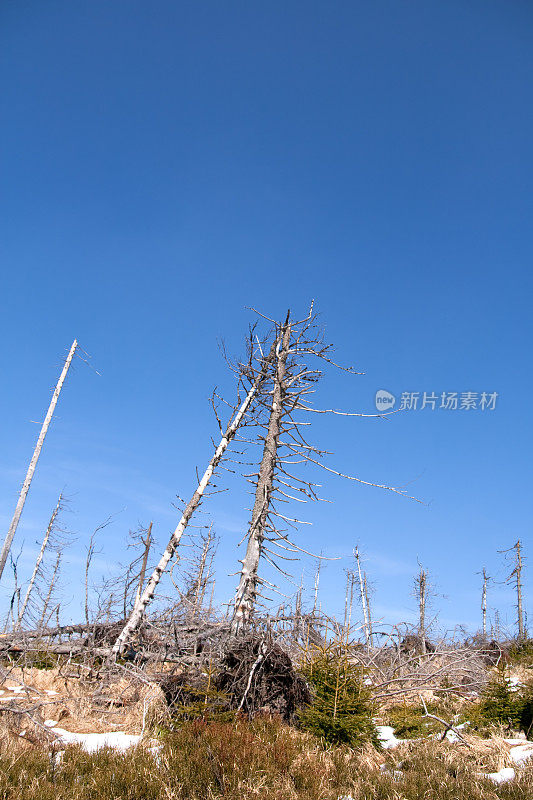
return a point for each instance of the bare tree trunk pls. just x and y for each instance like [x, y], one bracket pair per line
[149, 591]
[145, 561]
[247, 589]
[484, 603]
[39, 559]
[33, 463]
[317, 582]
[516, 578]
[519, 604]
[368, 611]
[422, 597]
[364, 598]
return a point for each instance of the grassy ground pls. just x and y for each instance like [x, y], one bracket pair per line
[241, 761]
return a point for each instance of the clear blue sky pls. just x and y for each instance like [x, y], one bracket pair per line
[166, 164]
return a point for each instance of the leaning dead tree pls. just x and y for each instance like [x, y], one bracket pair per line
[33, 463]
[287, 391]
[258, 377]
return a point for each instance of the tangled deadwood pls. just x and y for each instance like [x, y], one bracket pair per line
[414, 644]
[257, 676]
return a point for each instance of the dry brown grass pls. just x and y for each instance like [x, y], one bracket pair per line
[262, 759]
[84, 703]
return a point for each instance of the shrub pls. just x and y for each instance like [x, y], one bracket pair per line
[506, 705]
[341, 708]
[521, 653]
[409, 721]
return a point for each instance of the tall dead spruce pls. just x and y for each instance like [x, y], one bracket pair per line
[300, 353]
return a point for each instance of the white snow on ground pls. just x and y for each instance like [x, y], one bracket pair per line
[521, 753]
[452, 736]
[91, 742]
[386, 737]
[502, 776]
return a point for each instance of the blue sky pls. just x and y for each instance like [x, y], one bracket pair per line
[166, 165]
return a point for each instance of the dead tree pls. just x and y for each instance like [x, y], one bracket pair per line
[33, 463]
[285, 393]
[247, 588]
[515, 578]
[486, 579]
[149, 591]
[147, 544]
[195, 574]
[43, 621]
[37, 567]
[421, 591]
[363, 594]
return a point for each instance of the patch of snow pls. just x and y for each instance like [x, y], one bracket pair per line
[368, 682]
[502, 776]
[50, 723]
[91, 742]
[521, 753]
[452, 736]
[50, 691]
[386, 737]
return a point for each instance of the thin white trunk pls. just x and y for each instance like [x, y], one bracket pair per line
[33, 463]
[366, 621]
[368, 611]
[137, 614]
[484, 603]
[39, 559]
